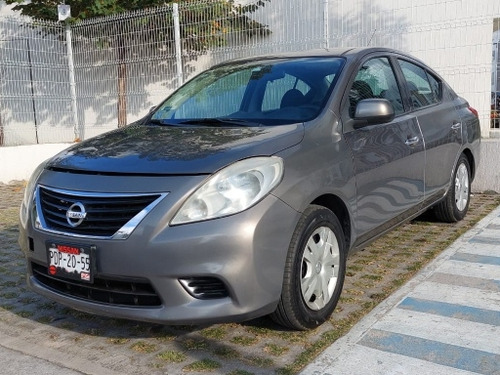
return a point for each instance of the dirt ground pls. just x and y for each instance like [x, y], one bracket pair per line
[93, 344]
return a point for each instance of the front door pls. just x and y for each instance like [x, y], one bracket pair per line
[389, 158]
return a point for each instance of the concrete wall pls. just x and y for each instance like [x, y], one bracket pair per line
[488, 173]
[18, 162]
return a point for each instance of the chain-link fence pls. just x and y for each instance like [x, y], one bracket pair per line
[33, 81]
[118, 67]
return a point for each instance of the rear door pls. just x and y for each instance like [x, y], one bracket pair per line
[440, 123]
[388, 158]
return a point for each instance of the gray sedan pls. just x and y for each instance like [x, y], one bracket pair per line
[244, 192]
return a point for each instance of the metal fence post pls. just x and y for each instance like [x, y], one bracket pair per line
[30, 64]
[72, 84]
[326, 31]
[178, 50]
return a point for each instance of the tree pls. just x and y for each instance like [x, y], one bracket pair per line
[225, 17]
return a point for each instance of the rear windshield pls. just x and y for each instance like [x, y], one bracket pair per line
[266, 92]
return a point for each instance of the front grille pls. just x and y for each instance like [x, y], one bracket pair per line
[205, 287]
[137, 293]
[106, 214]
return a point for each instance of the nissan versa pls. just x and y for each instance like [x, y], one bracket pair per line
[243, 193]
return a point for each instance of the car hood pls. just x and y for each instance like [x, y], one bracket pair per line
[167, 150]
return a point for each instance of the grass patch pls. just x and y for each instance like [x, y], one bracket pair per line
[25, 314]
[49, 305]
[226, 353]
[354, 292]
[119, 340]
[414, 267]
[194, 344]
[8, 295]
[9, 284]
[244, 340]
[372, 277]
[259, 361]
[378, 296]
[172, 356]
[45, 319]
[355, 268]
[293, 337]
[240, 372]
[216, 333]
[94, 331]
[275, 350]
[260, 331]
[143, 347]
[206, 364]
[28, 300]
[68, 325]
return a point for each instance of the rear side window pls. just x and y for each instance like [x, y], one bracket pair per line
[423, 87]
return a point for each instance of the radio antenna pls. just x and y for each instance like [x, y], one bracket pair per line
[371, 37]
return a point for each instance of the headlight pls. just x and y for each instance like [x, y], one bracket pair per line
[28, 194]
[232, 190]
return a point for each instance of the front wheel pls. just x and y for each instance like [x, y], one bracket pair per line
[314, 271]
[455, 205]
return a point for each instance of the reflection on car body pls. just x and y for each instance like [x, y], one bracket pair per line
[243, 193]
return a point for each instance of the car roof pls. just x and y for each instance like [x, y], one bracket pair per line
[352, 52]
[349, 53]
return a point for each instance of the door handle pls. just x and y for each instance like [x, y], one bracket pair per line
[456, 126]
[412, 141]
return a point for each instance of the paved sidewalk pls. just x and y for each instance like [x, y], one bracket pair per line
[17, 363]
[445, 321]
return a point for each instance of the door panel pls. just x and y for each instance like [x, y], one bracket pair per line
[441, 127]
[388, 165]
[442, 131]
[389, 158]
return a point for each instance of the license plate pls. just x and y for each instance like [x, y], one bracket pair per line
[70, 261]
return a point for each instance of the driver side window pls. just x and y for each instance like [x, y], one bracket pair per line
[375, 79]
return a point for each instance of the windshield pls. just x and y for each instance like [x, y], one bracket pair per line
[264, 92]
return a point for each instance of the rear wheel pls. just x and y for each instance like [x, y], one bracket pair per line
[455, 205]
[314, 271]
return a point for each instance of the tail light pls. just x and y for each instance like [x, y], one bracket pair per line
[473, 110]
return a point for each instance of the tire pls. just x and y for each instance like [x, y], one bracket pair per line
[314, 271]
[455, 204]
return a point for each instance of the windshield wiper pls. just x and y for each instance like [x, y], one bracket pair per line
[160, 122]
[219, 121]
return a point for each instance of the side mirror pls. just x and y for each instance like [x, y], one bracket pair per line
[373, 111]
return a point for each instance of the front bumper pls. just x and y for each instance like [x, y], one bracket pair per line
[245, 252]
